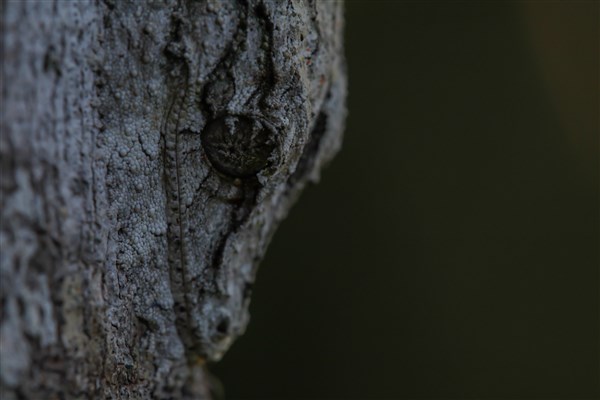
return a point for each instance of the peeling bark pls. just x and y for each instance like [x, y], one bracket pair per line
[148, 152]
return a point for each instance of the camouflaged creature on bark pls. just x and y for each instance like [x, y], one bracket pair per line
[233, 141]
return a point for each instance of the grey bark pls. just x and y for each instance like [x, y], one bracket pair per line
[148, 152]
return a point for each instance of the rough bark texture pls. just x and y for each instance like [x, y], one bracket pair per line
[148, 152]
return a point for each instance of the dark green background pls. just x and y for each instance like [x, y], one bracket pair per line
[451, 249]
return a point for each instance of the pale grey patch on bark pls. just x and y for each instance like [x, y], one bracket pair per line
[148, 152]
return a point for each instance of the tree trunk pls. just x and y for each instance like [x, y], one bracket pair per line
[148, 152]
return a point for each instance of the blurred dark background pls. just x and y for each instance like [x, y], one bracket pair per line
[451, 249]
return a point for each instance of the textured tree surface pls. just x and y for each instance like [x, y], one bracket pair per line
[148, 152]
